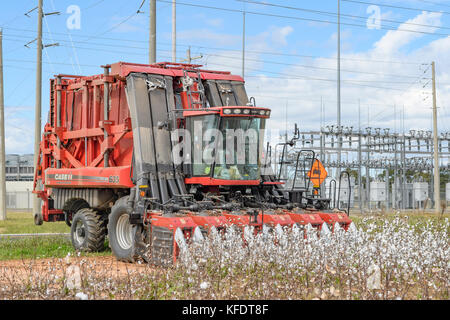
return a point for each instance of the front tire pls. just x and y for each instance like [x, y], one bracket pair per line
[120, 232]
[88, 231]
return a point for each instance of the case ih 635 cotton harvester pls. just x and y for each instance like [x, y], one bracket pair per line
[119, 157]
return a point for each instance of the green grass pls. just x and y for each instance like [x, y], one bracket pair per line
[23, 222]
[34, 248]
[411, 217]
[39, 247]
[42, 247]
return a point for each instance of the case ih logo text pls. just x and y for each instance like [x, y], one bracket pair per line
[63, 176]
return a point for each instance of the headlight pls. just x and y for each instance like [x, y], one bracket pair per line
[268, 113]
[262, 112]
[226, 111]
[246, 111]
[237, 111]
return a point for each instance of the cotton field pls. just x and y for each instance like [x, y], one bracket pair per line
[393, 260]
[375, 259]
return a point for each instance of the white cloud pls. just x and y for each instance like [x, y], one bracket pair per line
[303, 95]
[279, 35]
[18, 136]
[395, 39]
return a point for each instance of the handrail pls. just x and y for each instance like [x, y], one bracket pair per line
[334, 195]
[349, 191]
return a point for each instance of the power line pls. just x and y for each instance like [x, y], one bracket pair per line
[222, 48]
[282, 98]
[287, 76]
[256, 60]
[93, 5]
[114, 27]
[342, 14]
[231, 57]
[314, 67]
[308, 19]
[435, 3]
[395, 7]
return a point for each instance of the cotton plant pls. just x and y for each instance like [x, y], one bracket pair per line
[370, 262]
[375, 259]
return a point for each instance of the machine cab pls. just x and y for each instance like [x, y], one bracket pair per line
[226, 145]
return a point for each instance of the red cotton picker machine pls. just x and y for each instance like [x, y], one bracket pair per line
[156, 156]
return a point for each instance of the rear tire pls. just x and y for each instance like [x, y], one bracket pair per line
[121, 233]
[38, 220]
[88, 231]
[71, 207]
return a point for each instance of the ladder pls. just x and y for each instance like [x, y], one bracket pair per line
[199, 103]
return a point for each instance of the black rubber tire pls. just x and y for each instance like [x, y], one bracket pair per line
[71, 207]
[38, 220]
[94, 231]
[123, 254]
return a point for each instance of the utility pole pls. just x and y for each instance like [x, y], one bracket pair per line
[188, 55]
[174, 31]
[437, 182]
[152, 35]
[37, 114]
[243, 44]
[189, 58]
[2, 138]
[359, 158]
[339, 85]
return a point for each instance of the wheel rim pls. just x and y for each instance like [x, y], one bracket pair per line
[124, 232]
[80, 232]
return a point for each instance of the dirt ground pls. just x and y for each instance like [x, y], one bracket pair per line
[22, 269]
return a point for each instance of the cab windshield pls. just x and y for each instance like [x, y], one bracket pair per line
[230, 147]
[238, 148]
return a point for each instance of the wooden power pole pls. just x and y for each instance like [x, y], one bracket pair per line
[2, 138]
[38, 109]
[174, 31]
[152, 36]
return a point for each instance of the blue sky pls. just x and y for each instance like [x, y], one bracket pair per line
[290, 61]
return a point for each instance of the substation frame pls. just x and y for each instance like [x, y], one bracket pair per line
[379, 149]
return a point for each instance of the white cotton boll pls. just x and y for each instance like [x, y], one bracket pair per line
[81, 296]
[73, 277]
[248, 233]
[374, 279]
[204, 285]
[67, 258]
[279, 230]
[311, 233]
[295, 231]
